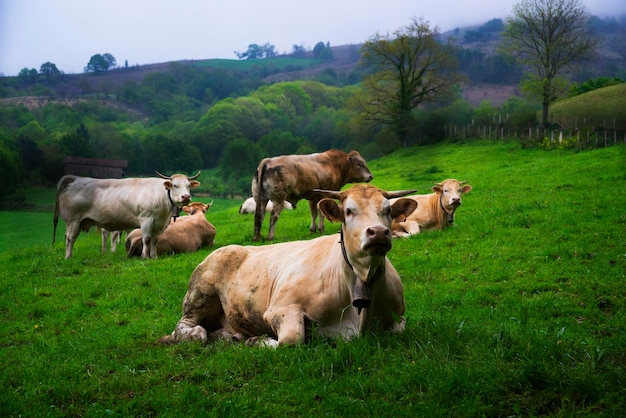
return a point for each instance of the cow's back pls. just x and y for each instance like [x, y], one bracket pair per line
[316, 281]
[295, 176]
[115, 204]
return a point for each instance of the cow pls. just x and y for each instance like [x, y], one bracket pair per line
[115, 236]
[184, 235]
[435, 210]
[120, 204]
[294, 177]
[249, 206]
[284, 293]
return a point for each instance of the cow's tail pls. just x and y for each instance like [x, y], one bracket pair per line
[65, 180]
[257, 183]
[257, 193]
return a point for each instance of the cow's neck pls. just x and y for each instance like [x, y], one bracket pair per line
[360, 280]
[449, 215]
[175, 209]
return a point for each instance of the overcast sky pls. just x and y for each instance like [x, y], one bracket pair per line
[68, 32]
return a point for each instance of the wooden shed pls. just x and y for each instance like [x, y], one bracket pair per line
[95, 167]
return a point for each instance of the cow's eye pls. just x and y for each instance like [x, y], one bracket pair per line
[348, 212]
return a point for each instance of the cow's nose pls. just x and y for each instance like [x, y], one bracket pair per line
[378, 234]
[378, 240]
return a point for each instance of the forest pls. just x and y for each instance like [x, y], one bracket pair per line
[226, 115]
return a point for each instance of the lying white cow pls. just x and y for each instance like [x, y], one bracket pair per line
[249, 206]
[434, 211]
[336, 286]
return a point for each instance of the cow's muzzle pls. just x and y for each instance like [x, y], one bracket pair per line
[378, 240]
[361, 295]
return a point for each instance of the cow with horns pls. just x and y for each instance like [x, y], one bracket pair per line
[121, 204]
[334, 286]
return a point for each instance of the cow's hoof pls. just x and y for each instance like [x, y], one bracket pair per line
[262, 342]
[167, 340]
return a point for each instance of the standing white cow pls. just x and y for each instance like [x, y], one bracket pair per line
[282, 293]
[120, 204]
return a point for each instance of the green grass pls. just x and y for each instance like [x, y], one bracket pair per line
[519, 310]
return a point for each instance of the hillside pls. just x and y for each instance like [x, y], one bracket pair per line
[489, 78]
[601, 108]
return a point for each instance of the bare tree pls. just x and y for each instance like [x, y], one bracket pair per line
[410, 68]
[548, 36]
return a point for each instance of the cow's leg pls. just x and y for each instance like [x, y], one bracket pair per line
[148, 240]
[277, 208]
[412, 227]
[288, 324]
[313, 207]
[259, 215]
[105, 237]
[115, 238]
[200, 306]
[72, 231]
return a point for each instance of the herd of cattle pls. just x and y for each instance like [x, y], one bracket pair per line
[279, 293]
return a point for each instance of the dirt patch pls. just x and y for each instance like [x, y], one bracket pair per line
[495, 94]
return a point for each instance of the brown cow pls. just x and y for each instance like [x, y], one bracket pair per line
[294, 177]
[435, 210]
[335, 286]
[184, 235]
[120, 204]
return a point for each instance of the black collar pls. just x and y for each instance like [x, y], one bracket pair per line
[175, 209]
[449, 215]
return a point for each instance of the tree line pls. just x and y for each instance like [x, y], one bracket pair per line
[191, 117]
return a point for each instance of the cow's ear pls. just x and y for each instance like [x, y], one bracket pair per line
[194, 183]
[437, 188]
[402, 208]
[330, 209]
[167, 184]
[466, 189]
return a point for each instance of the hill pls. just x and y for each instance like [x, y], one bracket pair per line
[601, 108]
[489, 77]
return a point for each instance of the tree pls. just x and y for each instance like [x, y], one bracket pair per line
[100, 63]
[110, 59]
[548, 36]
[410, 68]
[49, 70]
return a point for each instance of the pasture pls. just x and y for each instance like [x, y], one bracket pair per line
[518, 310]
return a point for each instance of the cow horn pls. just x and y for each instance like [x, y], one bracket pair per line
[397, 193]
[329, 193]
[196, 176]
[163, 176]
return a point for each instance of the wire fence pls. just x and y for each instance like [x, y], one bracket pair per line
[588, 133]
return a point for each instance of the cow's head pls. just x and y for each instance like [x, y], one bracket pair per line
[195, 207]
[358, 168]
[179, 187]
[366, 215]
[450, 192]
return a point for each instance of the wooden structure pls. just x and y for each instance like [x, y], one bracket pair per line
[95, 167]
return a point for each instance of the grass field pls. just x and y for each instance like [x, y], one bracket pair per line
[519, 310]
